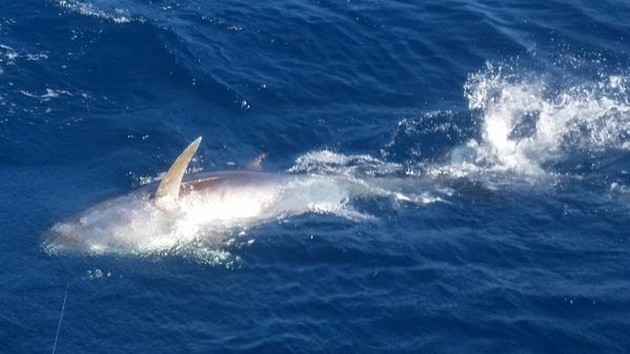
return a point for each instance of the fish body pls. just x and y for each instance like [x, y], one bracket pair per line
[196, 208]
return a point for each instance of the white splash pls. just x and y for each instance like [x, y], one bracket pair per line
[365, 175]
[9, 56]
[526, 125]
[50, 94]
[329, 162]
[8, 53]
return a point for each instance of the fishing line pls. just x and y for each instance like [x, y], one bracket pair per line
[63, 308]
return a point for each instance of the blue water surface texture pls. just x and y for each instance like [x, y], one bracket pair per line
[491, 141]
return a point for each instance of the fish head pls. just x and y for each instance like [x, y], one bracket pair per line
[130, 223]
[140, 222]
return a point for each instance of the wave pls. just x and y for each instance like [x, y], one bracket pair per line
[117, 15]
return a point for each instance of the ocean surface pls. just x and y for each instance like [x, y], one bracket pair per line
[493, 138]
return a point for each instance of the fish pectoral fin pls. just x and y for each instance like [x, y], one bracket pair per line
[256, 165]
[169, 187]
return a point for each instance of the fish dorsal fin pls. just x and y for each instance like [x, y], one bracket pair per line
[169, 187]
[256, 165]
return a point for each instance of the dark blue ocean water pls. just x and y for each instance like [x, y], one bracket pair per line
[500, 131]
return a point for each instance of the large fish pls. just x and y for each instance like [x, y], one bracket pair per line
[184, 210]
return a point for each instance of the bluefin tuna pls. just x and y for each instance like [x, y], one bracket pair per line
[182, 210]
